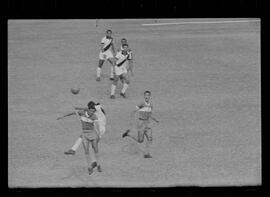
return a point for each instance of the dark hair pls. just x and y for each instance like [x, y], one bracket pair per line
[123, 39]
[91, 104]
[147, 91]
[108, 30]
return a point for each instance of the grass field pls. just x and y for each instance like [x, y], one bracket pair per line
[206, 91]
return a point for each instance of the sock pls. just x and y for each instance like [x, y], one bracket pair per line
[92, 155]
[147, 147]
[88, 160]
[113, 89]
[125, 86]
[77, 144]
[112, 72]
[98, 71]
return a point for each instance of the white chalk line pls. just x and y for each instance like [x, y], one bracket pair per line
[199, 22]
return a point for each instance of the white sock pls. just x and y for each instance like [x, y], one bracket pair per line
[92, 154]
[125, 86]
[77, 144]
[113, 89]
[98, 71]
[112, 72]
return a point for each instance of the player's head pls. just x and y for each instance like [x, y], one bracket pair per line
[91, 104]
[123, 41]
[147, 95]
[125, 47]
[108, 32]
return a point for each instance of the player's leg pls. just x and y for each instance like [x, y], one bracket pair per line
[148, 143]
[140, 135]
[111, 60]
[113, 87]
[85, 143]
[100, 64]
[95, 163]
[76, 145]
[125, 85]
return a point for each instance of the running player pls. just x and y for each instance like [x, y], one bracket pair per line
[100, 113]
[121, 71]
[107, 52]
[89, 135]
[145, 113]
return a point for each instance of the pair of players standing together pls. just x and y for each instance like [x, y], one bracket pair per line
[121, 63]
[93, 118]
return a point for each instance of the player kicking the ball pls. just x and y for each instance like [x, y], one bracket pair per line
[89, 136]
[107, 52]
[100, 113]
[145, 113]
[121, 71]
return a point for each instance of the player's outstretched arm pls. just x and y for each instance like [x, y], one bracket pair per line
[154, 119]
[69, 114]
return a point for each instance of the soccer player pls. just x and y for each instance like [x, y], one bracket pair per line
[101, 115]
[121, 71]
[145, 113]
[107, 52]
[130, 58]
[89, 135]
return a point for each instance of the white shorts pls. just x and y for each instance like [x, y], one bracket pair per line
[120, 70]
[105, 55]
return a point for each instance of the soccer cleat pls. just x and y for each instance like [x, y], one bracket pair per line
[123, 95]
[98, 79]
[147, 156]
[112, 97]
[70, 152]
[90, 171]
[93, 165]
[111, 78]
[126, 133]
[99, 168]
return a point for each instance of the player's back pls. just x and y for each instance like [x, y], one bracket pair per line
[100, 112]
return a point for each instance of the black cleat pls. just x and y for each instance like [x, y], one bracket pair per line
[111, 78]
[90, 171]
[123, 95]
[126, 133]
[147, 156]
[93, 165]
[70, 152]
[112, 97]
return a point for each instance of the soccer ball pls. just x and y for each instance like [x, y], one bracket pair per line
[74, 90]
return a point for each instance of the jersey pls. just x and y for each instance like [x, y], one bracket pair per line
[130, 53]
[121, 59]
[107, 43]
[145, 110]
[87, 121]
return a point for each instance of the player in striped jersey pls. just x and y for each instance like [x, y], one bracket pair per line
[107, 52]
[89, 135]
[101, 126]
[121, 71]
[145, 113]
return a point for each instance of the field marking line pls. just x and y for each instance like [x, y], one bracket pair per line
[198, 22]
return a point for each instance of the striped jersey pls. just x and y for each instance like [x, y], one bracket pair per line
[130, 53]
[145, 110]
[107, 43]
[121, 58]
[86, 120]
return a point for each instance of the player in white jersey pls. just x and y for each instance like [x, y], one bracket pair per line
[145, 113]
[101, 126]
[130, 58]
[107, 52]
[121, 71]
